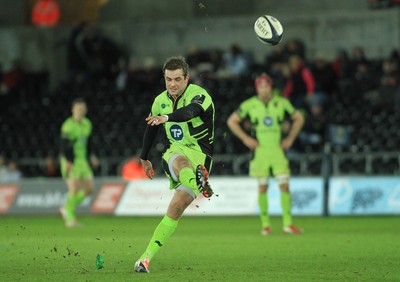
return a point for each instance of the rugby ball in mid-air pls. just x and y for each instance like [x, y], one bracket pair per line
[268, 30]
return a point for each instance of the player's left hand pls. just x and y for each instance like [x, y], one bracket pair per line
[156, 120]
[286, 143]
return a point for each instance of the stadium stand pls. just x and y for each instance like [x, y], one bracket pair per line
[30, 121]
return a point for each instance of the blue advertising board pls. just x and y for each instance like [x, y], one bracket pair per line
[364, 195]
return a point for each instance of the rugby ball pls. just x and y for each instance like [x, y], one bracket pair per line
[268, 30]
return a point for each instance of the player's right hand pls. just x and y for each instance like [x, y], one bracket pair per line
[148, 168]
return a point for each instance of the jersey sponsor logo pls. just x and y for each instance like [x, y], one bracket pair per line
[176, 132]
[268, 121]
[198, 99]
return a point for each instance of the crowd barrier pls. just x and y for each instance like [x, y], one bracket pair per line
[233, 196]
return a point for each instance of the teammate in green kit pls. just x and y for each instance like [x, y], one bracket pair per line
[266, 113]
[186, 113]
[75, 167]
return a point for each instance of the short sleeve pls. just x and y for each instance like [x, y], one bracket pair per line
[202, 99]
[288, 107]
[66, 128]
[243, 110]
[155, 108]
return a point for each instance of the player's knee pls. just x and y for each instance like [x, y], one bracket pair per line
[175, 211]
[262, 184]
[283, 182]
[262, 189]
[178, 204]
[180, 163]
[284, 188]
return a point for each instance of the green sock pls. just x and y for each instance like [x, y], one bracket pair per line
[70, 207]
[163, 232]
[79, 197]
[286, 204]
[188, 178]
[263, 205]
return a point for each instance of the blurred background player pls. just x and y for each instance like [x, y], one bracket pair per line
[75, 167]
[187, 114]
[266, 112]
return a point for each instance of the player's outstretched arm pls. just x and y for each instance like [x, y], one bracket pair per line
[183, 114]
[156, 120]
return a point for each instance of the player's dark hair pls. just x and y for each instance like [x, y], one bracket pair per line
[78, 101]
[176, 63]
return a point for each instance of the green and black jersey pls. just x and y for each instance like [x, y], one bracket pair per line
[266, 120]
[75, 136]
[195, 132]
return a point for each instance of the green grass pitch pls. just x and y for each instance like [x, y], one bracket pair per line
[202, 249]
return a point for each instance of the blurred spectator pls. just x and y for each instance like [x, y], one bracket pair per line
[235, 61]
[78, 53]
[342, 65]
[387, 96]
[295, 47]
[195, 56]
[313, 133]
[45, 13]
[203, 64]
[276, 65]
[145, 76]
[104, 57]
[364, 80]
[3, 168]
[50, 167]
[278, 55]
[92, 55]
[358, 57]
[300, 84]
[344, 73]
[208, 59]
[395, 56]
[324, 75]
[12, 173]
[121, 78]
[133, 170]
[389, 67]
[364, 77]
[12, 80]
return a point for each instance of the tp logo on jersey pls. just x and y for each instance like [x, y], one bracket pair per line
[176, 132]
[268, 121]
